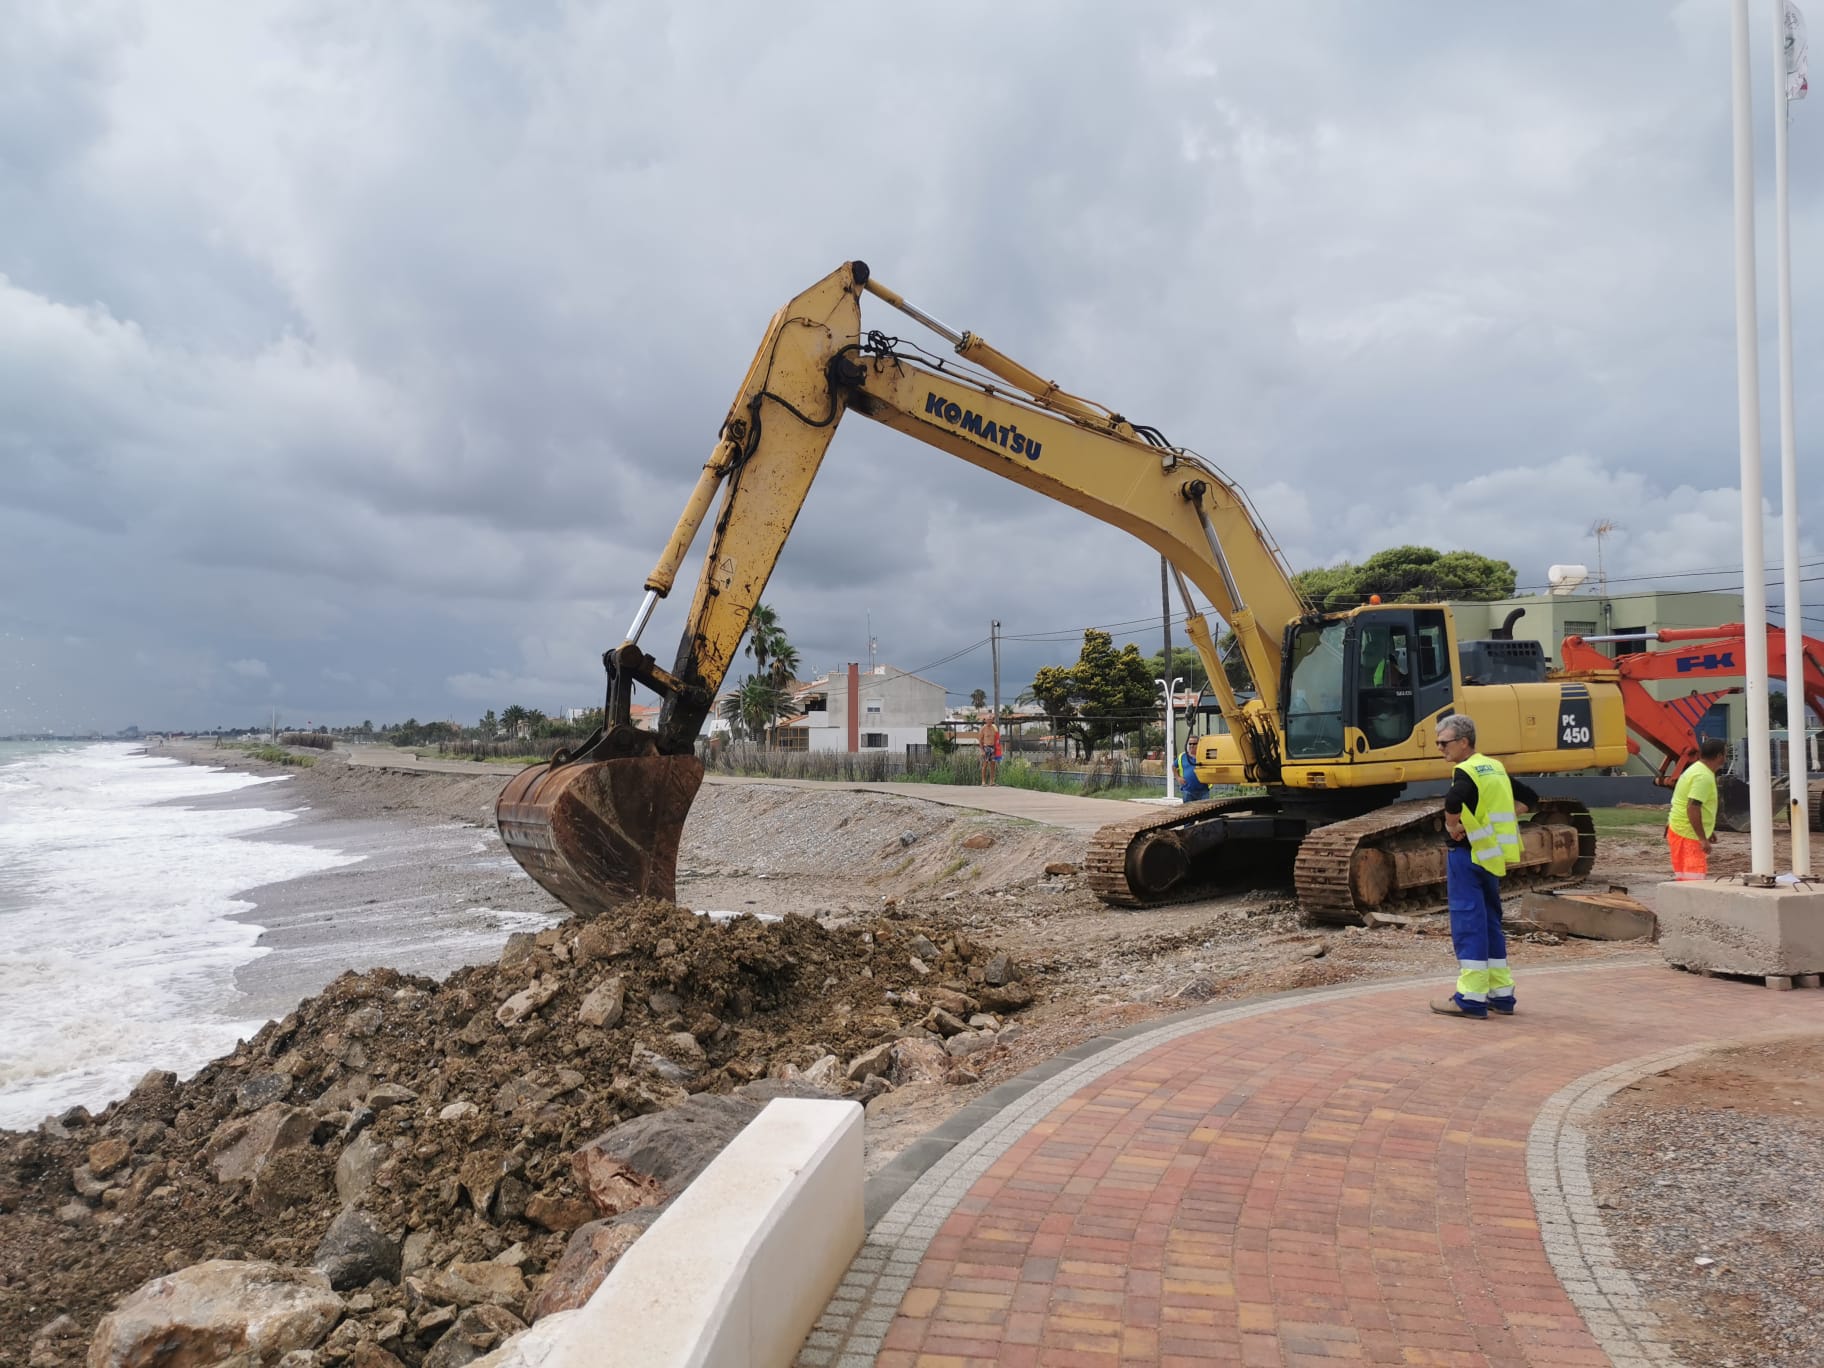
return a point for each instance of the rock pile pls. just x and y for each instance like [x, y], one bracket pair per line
[447, 1162]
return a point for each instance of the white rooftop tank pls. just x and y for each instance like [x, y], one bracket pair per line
[1565, 578]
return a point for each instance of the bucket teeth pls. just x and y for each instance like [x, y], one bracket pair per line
[599, 834]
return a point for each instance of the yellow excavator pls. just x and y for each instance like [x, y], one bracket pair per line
[1341, 717]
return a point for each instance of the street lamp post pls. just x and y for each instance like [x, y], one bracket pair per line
[1171, 734]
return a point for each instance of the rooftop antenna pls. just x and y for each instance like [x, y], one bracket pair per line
[1601, 529]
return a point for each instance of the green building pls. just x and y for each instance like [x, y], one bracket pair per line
[1549, 618]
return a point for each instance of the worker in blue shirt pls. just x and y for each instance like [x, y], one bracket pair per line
[1190, 787]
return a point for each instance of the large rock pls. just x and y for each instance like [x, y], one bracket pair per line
[556, 1211]
[477, 1331]
[1009, 997]
[356, 1166]
[355, 1251]
[672, 1146]
[473, 1284]
[612, 1184]
[605, 1004]
[586, 1260]
[918, 1061]
[526, 1001]
[969, 1042]
[212, 1311]
[292, 1177]
[874, 1061]
[239, 1148]
[480, 1177]
[107, 1155]
[659, 1066]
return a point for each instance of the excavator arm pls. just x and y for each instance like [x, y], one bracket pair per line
[1695, 654]
[814, 365]
[596, 838]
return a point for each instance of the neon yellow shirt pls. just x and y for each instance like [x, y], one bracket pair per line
[1696, 785]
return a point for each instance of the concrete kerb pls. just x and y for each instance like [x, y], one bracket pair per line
[850, 1332]
[738, 1268]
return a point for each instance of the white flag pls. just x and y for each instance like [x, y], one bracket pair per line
[1795, 53]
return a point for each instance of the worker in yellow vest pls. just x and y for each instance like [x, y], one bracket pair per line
[1481, 819]
[1691, 823]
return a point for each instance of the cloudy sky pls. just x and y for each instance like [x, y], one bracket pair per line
[355, 360]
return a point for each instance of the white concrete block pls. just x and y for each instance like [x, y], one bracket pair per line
[738, 1269]
[1730, 928]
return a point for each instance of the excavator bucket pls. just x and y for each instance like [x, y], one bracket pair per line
[597, 834]
[1731, 803]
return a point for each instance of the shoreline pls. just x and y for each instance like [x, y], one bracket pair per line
[429, 891]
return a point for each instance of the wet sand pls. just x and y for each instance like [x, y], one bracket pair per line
[432, 890]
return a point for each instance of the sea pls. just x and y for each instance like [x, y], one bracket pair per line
[118, 944]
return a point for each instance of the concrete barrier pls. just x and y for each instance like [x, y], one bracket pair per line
[738, 1268]
[1727, 928]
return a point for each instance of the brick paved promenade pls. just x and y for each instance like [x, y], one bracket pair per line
[1338, 1176]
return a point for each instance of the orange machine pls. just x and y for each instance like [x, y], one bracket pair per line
[1670, 725]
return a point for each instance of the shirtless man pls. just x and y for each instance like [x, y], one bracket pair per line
[989, 738]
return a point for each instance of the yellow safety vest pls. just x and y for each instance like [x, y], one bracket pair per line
[1491, 827]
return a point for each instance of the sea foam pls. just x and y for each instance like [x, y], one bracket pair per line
[117, 943]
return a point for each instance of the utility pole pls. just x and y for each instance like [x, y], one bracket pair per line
[994, 649]
[1748, 405]
[1165, 667]
[1788, 78]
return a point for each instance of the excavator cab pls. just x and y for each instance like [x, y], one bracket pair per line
[1361, 682]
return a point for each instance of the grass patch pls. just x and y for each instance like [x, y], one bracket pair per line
[1615, 820]
[274, 755]
[951, 868]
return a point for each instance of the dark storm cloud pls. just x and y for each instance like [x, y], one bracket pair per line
[355, 361]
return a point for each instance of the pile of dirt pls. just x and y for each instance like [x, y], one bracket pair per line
[449, 1113]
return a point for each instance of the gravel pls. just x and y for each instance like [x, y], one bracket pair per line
[1708, 1180]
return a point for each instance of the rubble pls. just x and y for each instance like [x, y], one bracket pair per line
[460, 1158]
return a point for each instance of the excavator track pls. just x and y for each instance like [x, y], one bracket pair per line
[1383, 861]
[1106, 864]
[1816, 806]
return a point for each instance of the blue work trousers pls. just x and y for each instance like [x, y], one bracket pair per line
[1476, 934]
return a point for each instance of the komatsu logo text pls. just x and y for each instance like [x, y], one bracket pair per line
[1005, 435]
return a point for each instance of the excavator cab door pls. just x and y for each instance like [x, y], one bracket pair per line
[1402, 673]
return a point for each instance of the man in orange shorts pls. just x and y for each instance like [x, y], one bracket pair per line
[1691, 823]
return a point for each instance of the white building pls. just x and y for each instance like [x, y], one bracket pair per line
[861, 710]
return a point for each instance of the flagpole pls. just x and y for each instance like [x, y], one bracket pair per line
[1798, 775]
[1748, 400]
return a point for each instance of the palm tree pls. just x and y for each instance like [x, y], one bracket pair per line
[978, 698]
[754, 706]
[782, 669]
[764, 635]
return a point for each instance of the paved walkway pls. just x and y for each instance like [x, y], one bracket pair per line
[1314, 1178]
